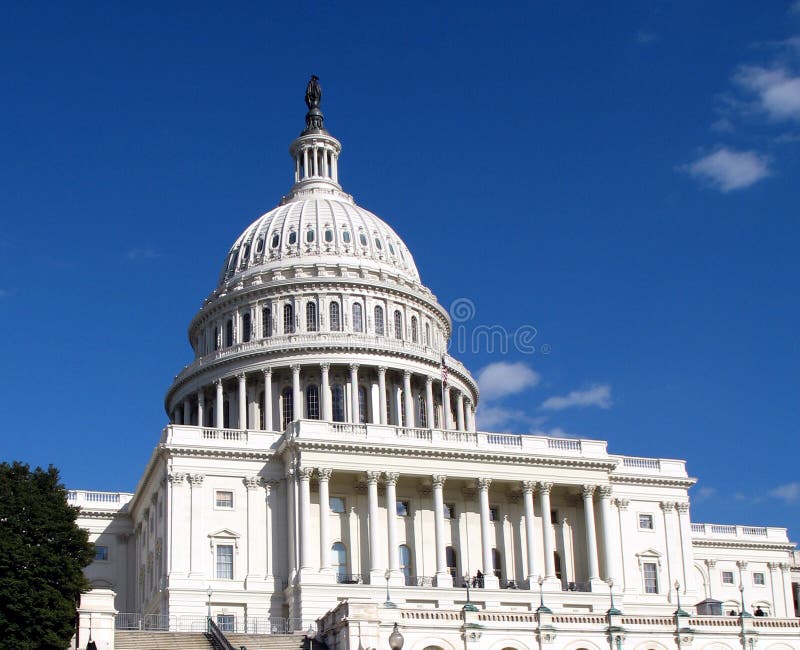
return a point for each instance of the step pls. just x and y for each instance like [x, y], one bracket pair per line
[267, 641]
[140, 640]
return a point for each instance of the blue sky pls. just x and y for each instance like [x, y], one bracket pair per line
[620, 179]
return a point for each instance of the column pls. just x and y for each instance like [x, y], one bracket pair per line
[530, 546]
[201, 407]
[375, 569]
[687, 556]
[460, 411]
[671, 541]
[267, 399]
[187, 411]
[470, 416]
[269, 527]
[292, 522]
[776, 589]
[176, 508]
[324, 476]
[198, 538]
[304, 474]
[630, 568]
[391, 525]
[610, 542]
[447, 418]
[788, 596]
[591, 535]
[325, 392]
[429, 402]
[443, 577]
[242, 423]
[711, 563]
[746, 582]
[408, 402]
[547, 533]
[255, 530]
[382, 394]
[354, 414]
[219, 407]
[489, 579]
[297, 394]
[306, 172]
[398, 404]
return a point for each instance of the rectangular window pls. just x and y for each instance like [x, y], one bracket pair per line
[449, 510]
[226, 622]
[494, 514]
[403, 508]
[224, 499]
[646, 522]
[758, 579]
[650, 577]
[225, 562]
[336, 504]
[727, 577]
[101, 553]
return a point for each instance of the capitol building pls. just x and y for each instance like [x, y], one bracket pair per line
[322, 473]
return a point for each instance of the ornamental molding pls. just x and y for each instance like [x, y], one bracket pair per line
[749, 545]
[324, 473]
[655, 481]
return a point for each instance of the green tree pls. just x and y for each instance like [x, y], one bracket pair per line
[42, 556]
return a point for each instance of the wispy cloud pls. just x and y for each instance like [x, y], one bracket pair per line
[644, 37]
[142, 254]
[795, 7]
[504, 378]
[728, 170]
[500, 418]
[704, 493]
[776, 90]
[788, 492]
[598, 395]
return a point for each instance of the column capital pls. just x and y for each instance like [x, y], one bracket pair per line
[218, 383]
[251, 482]
[373, 477]
[407, 373]
[196, 480]
[682, 507]
[267, 372]
[242, 376]
[381, 370]
[354, 367]
[428, 380]
[437, 480]
[667, 506]
[587, 491]
[324, 473]
[786, 567]
[605, 491]
[392, 478]
[528, 486]
[622, 504]
[773, 566]
[295, 368]
[305, 473]
[268, 483]
[483, 482]
[325, 366]
[176, 478]
[710, 562]
[545, 487]
[742, 564]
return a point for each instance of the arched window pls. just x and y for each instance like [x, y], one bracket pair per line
[311, 317]
[309, 236]
[287, 407]
[404, 554]
[497, 563]
[379, 320]
[338, 402]
[312, 402]
[398, 324]
[229, 333]
[362, 404]
[288, 319]
[292, 238]
[358, 317]
[335, 317]
[422, 412]
[427, 334]
[246, 327]
[328, 236]
[414, 330]
[339, 559]
[451, 556]
[266, 322]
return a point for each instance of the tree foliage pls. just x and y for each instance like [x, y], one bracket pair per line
[42, 556]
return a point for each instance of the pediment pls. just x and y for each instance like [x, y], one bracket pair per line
[650, 553]
[226, 533]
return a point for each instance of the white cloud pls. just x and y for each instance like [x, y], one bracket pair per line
[777, 90]
[789, 492]
[503, 378]
[555, 432]
[142, 254]
[728, 170]
[705, 492]
[795, 7]
[644, 37]
[597, 395]
[499, 418]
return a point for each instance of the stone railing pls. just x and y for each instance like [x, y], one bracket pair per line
[98, 500]
[753, 533]
[183, 434]
[667, 467]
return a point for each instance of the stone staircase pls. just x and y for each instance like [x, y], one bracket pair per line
[271, 641]
[140, 640]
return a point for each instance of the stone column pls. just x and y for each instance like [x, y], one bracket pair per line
[242, 424]
[176, 508]
[269, 526]
[470, 415]
[460, 411]
[408, 402]
[325, 392]
[671, 541]
[489, 579]
[201, 407]
[443, 577]
[591, 535]
[788, 596]
[776, 589]
[306, 566]
[198, 536]
[687, 556]
[324, 476]
[528, 488]
[610, 542]
[256, 527]
[219, 407]
[354, 393]
[382, 394]
[268, 399]
[187, 411]
[429, 402]
[375, 569]
[547, 533]
[292, 529]
[711, 564]
[447, 418]
[391, 524]
[297, 394]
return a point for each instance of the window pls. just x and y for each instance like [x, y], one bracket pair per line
[246, 331]
[391, 248]
[100, 553]
[226, 622]
[229, 333]
[287, 407]
[311, 317]
[346, 236]
[557, 564]
[223, 499]
[226, 414]
[338, 403]
[310, 236]
[336, 505]
[335, 317]
[449, 510]
[266, 322]
[378, 244]
[497, 563]
[414, 327]
[398, 324]
[427, 334]
[727, 577]
[494, 514]
[288, 319]
[260, 244]
[276, 239]
[404, 554]
[292, 238]
[650, 571]
[328, 236]
[422, 412]
[339, 558]
[312, 403]
[403, 508]
[225, 562]
[451, 558]
[362, 404]
[379, 320]
[645, 522]
[363, 239]
[358, 319]
[758, 579]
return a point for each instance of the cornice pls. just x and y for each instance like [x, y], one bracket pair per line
[221, 454]
[656, 481]
[743, 545]
[104, 514]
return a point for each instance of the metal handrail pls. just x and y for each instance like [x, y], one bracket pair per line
[217, 635]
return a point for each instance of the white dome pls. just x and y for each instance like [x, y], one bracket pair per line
[318, 229]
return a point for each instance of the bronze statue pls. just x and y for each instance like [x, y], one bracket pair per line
[313, 93]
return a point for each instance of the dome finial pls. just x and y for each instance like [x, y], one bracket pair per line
[314, 116]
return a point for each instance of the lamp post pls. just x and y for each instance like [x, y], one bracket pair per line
[396, 639]
[610, 583]
[542, 608]
[468, 606]
[388, 603]
[209, 592]
[745, 613]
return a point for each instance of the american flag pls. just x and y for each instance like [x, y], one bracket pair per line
[444, 371]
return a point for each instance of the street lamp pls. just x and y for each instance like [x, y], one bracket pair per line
[396, 639]
[745, 613]
[388, 603]
[468, 606]
[613, 610]
[679, 611]
[542, 608]
[209, 592]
